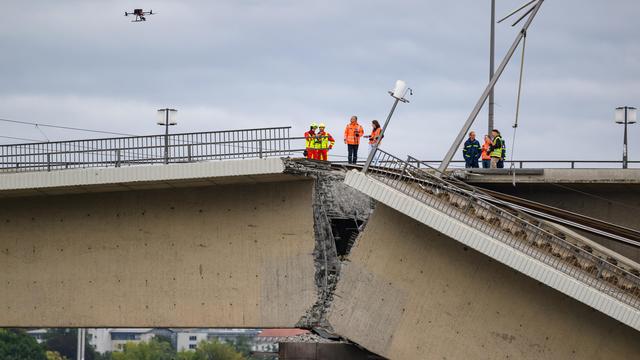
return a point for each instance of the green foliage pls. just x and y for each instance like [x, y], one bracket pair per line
[186, 355]
[166, 339]
[54, 355]
[17, 345]
[152, 350]
[65, 342]
[243, 346]
[105, 356]
[213, 350]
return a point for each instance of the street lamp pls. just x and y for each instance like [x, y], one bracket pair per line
[625, 115]
[398, 94]
[167, 117]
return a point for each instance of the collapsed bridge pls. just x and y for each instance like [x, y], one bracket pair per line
[403, 262]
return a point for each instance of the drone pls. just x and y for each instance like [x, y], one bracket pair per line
[140, 14]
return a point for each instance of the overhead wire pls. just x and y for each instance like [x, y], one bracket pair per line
[37, 125]
[17, 138]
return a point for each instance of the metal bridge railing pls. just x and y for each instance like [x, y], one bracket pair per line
[561, 164]
[514, 228]
[152, 149]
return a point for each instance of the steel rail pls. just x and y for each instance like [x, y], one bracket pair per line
[595, 226]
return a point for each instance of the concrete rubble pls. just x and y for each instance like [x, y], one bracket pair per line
[331, 199]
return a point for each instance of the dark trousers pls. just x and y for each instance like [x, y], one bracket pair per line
[471, 163]
[486, 164]
[501, 164]
[353, 153]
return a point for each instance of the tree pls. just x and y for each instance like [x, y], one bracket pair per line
[152, 350]
[17, 345]
[242, 345]
[54, 355]
[104, 356]
[65, 342]
[186, 355]
[164, 338]
[212, 350]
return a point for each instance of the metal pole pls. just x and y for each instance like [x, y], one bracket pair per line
[487, 90]
[166, 136]
[375, 146]
[624, 148]
[492, 47]
[81, 345]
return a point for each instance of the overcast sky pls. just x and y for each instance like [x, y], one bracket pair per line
[239, 63]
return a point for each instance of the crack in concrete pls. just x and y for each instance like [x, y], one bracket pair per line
[331, 199]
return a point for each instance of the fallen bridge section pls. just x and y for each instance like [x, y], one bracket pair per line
[601, 280]
[410, 292]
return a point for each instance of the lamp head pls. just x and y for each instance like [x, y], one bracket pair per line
[167, 115]
[631, 114]
[400, 90]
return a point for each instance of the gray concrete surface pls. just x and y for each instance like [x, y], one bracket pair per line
[409, 292]
[218, 256]
[140, 177]
[557, 176]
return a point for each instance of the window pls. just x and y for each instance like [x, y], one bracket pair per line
[193, 346]
[125, 336]
[193, 338]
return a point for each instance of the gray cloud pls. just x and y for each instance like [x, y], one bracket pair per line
[229, 64]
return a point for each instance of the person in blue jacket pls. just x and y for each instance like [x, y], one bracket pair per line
[471, 151]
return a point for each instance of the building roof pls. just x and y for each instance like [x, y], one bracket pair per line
[282, 332]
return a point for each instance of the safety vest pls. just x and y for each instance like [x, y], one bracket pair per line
[375, 136]
[323, 140]
[485, 150]
[353, 133]
[497, 151]
[309, 139]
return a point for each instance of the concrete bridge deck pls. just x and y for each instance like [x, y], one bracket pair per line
[552, 176]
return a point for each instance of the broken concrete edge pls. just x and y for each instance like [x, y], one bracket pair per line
[331, 199]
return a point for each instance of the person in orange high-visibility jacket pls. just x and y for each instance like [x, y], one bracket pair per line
[323, 143]
[486, 158]
[309, 138]
[375, 138]
[352, 134]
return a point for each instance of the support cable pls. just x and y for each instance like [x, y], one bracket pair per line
[515, 124]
